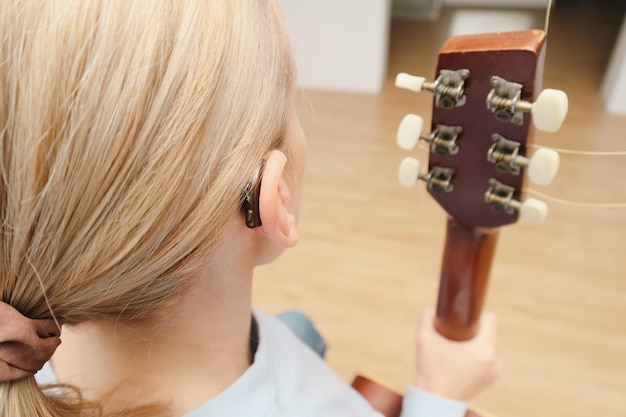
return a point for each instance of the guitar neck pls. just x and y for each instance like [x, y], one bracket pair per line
[486, 105]
[466, 265]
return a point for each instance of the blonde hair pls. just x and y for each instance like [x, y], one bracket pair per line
[128, 129]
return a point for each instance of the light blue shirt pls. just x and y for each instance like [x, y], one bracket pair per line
[287, 379]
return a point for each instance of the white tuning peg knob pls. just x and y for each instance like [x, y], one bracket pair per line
[410, 82]
[550, 110]
[533, 211]
[543, 166]
[408, 172]
[409, 131]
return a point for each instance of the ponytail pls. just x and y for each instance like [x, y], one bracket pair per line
[25, 398]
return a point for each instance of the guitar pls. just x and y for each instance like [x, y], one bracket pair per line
[486, 106]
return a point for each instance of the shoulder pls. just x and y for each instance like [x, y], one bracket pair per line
[304, 382]
[306, 386]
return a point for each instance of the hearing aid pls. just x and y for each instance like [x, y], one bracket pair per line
[250, 200]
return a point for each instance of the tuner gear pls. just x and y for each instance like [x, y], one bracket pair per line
[443, 140]
[542, 167]
[548, 112]
[504, 100]
[438, 179]
[500, 197]
[448, 87]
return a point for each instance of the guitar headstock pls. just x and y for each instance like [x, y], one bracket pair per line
[486, 106]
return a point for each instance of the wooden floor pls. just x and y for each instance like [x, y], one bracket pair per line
[370, 250]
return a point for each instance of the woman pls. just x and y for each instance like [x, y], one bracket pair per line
[133, 133]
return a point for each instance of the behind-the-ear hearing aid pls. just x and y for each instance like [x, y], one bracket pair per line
[250, 198]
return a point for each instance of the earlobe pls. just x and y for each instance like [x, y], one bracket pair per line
[278, 222]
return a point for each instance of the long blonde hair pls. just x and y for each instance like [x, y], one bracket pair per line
[128, 129]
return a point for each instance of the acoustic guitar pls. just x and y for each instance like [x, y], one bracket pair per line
[486, 106]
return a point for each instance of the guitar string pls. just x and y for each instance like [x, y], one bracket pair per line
[579, 203]
[548, 12]
[582, 153]
[562, 201]
[571, 151]
[572, 203]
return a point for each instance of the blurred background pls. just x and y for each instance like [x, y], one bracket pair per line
[369, 254]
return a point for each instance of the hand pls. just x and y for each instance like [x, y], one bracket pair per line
[456, 370]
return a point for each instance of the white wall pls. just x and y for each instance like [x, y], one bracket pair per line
[339, 44]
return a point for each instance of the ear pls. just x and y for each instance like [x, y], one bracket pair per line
[278, 222]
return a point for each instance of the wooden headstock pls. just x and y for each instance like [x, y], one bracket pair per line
[485, 107]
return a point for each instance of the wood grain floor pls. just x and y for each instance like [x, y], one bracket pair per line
[370, 250]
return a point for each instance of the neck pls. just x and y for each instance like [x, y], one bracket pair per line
[201, 349]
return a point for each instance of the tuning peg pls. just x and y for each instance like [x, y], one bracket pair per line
[438, 179]
[448, 87]
[442, 140]
[500, 196]
[548, 112]
[413, 82]
[542, 167]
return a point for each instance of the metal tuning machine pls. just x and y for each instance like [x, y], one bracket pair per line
[438, 179]
[500, 197]
[548, 112]
[443, 140]
[505, 155]
[448, 87]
